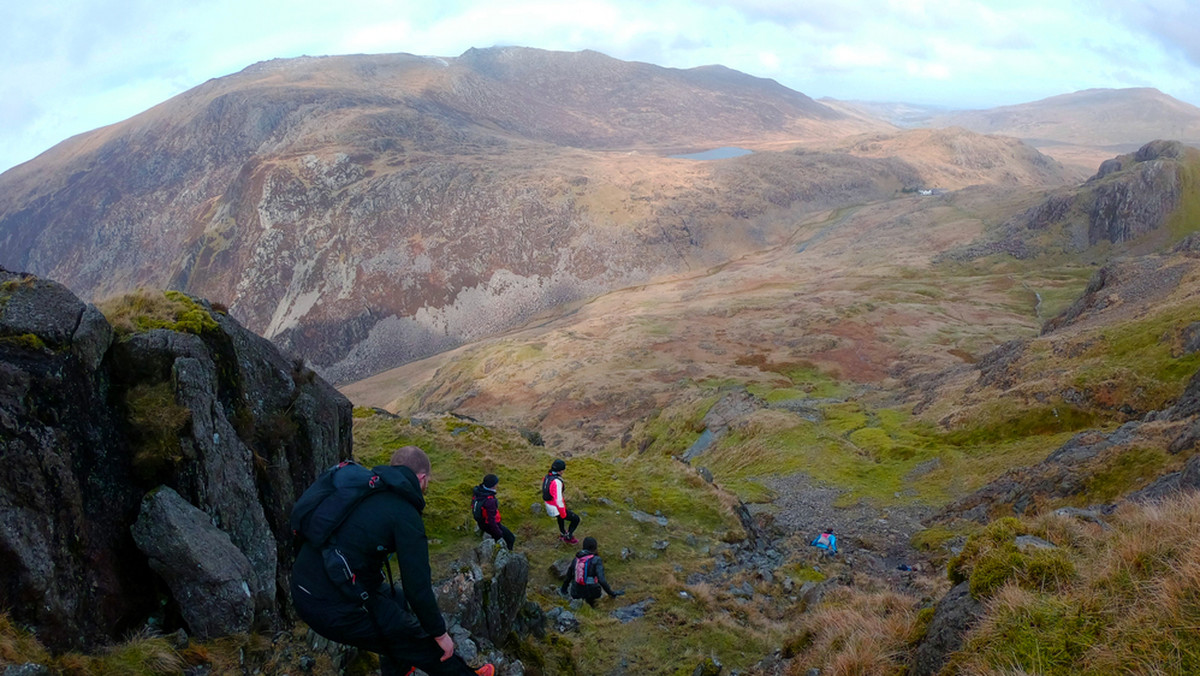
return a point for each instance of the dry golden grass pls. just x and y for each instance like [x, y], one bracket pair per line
[856, 633]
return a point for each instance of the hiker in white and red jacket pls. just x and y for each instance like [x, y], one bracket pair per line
[552, 495]
[585, 576]
[486, 510]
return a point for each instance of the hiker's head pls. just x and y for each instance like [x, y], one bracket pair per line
[558, 465]
[589, 543]
[829, 530]
[490, 481]
[416, 460]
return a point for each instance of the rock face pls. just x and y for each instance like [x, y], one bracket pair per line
[256, 430]
[1129, 197]
[955, 613]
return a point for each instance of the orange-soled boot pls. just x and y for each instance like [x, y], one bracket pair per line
[486, 670]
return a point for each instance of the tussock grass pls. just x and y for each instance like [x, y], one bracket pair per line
[157, 421]
[143, 654]
[144, 310]
[1132, 607]
[856, 632]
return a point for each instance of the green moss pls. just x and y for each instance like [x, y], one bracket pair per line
[932, 539]
[363, 412]
[25, 341]
[990, 559]
[1004, 423]
[1122, 472]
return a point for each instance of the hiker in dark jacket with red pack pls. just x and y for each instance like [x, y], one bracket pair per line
[486, 510]
[338, 586]
[585, 576]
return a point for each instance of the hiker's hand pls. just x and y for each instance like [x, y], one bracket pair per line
[618, 592]
[447, 645]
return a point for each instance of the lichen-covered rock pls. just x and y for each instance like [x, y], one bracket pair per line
[208, 575]
[67, 494]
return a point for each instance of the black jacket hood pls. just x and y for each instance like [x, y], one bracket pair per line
[402, 481]
[482, 491]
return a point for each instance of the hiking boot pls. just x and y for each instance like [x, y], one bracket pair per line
[486, 670]
[569, 539]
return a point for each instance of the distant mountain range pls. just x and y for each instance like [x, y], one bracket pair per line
[365, 211]
[1080, 129]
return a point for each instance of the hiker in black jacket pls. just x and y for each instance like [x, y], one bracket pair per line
[486, 510]
[406, 629]
[585, 576]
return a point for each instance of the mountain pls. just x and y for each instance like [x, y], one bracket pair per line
[1086, 127]
[365, 211]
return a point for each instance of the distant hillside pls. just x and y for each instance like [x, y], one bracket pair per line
[1086, 127]
[1118, 118]
[364, 211]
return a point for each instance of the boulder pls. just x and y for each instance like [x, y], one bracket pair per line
[208, 575]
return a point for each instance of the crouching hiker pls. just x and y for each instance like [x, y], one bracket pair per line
[349, 521]
[585, 576]
[556, 506]
[826, 541]
[486, 510]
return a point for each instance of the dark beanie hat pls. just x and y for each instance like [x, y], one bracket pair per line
[490, 481]
[589, 543]
[558, 466]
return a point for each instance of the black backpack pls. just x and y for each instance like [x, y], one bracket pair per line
[322, 508]
[327, 503]
[477, 508]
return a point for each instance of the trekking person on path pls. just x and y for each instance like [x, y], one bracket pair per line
[486, 511]
[552, 495]
[826, 541]
[339, 590]
[585, 576]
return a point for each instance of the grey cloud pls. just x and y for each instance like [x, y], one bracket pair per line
[1171, 24]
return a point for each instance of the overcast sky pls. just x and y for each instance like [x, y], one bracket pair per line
[68, 66]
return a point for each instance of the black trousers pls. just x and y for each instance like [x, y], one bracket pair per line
[562, 523]
[386, 627]
[500, 532]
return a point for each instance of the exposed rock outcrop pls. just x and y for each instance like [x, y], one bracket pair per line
[255, 430]
[1129, 197]
[954, 615]
[487, 597]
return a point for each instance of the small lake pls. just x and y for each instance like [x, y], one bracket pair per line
[715, 154]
